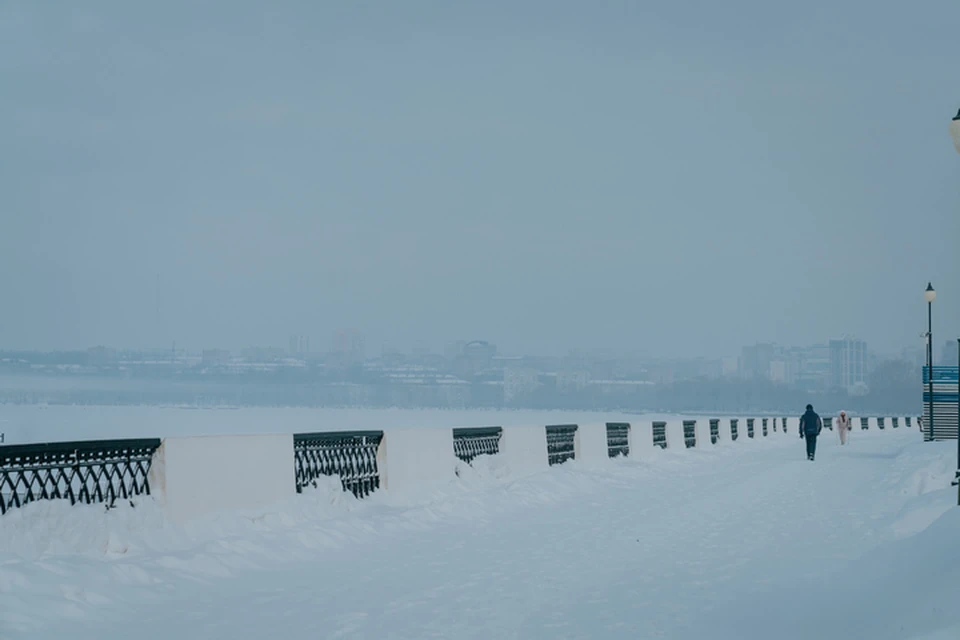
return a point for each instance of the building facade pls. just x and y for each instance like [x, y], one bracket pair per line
[848, 363]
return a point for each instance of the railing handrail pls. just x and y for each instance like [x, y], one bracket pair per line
[10, 451]
[476, 432]
[335, 435]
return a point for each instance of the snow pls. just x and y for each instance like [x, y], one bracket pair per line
[726, 542]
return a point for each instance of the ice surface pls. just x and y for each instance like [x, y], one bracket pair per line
[734, 541]
[46, 423]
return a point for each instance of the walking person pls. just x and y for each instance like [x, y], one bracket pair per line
[810, 427]
[843, 426]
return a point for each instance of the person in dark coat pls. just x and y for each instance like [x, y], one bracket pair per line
[810, 427]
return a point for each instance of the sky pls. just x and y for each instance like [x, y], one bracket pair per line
[675, 177]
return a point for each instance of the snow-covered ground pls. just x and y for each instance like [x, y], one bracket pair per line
[743, 540]
[50, 423]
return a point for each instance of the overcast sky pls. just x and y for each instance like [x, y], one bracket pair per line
[680, 177]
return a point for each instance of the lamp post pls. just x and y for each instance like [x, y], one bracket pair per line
[930, 295]
[955, 134]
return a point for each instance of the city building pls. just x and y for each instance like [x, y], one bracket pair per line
[299, 345]
[782, 371]
[572, 381]
[212, 357]
[814, 369]
[262, 354]
[348, 348]
[474, 357]
[948, 355]
[755, 360]
[848, 363]
[519, 382]
[729, 367]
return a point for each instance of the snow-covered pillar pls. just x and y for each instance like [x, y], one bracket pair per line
[726, 433]
[590, 443]
[191, 477]
[703, 433]
[675, 439]
[641, 439]
[524, 449]
[414, 459]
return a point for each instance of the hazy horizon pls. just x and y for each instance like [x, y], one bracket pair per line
[677, 178]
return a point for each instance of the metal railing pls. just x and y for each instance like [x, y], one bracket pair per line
[750, 429]
[828, 423]
[734, 425]
[895, 422]
[881, 423]
[478, 441]
[714, 430]
[618, 439]
[690, 433]
[908, 420]
[864, 423]
[349, 455]
[763, 425]
[561, 443]
[660, 434]
[101, 471]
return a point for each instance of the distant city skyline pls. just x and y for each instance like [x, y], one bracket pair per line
[319, 345]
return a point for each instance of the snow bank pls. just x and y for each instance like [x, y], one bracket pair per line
[905, 587]
[910, 589]
[861, 544]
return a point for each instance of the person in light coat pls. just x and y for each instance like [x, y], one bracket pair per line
[843, 426]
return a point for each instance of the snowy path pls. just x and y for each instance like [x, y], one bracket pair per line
[695, 544]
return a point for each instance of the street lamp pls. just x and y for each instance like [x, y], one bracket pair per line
[930, 295]
[955, 131]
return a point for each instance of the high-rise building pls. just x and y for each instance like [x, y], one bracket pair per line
[848, 363]
[948, 355]
[299, 345]
[572, 381]
[348, 348]
[729, 366]
[783, 370]
[755, 360]
[519, 382]
[814, 367]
